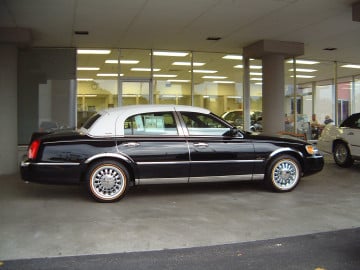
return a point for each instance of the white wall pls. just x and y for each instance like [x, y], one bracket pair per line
[8, 110]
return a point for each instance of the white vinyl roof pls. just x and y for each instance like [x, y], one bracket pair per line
[106, 125]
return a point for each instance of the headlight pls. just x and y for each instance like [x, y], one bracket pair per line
[311, 149]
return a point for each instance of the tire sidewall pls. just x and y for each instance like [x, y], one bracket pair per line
[348, 161]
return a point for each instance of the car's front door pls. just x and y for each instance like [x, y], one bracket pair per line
[214, 153]
[351, 133]
[153, 142]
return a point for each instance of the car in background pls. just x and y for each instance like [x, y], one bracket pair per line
[157, 144]
[234, 117]
[342, 142]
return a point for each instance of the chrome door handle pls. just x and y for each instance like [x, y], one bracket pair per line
[200, 144]
[131, 144]
[351, 133]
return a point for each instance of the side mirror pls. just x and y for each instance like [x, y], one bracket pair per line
[232, 132]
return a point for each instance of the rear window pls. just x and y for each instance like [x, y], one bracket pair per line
[91, 121]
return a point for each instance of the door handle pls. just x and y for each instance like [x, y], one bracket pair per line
[351, 133]
[131, 144]
[201, 144]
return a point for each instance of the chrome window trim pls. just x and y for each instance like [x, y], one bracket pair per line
[56, 164]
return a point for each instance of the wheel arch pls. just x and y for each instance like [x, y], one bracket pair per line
[125, 161]
[339, 140]
[289, 152]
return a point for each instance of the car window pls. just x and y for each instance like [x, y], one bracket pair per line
[149, 124]
[203, 124]
[91, 121]
[352, 122]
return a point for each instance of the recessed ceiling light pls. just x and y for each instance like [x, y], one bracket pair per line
[113, 61]
[251, 66]
[302, 76]
[195, 64]
[145, 69]
[214, 77]
[303, 70]
[255, 79]
[256, 73]
[233, 57]
[81, 51]
[228, 82]
[87, 68]
[107, 74]
[165, 53]
[351, 66]
[165, 75]
[305, 62]
[85, 79]
[183, 81]
[204, 71]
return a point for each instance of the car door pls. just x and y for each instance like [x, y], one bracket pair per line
[214, 153]
[154, 143]
[351, 133]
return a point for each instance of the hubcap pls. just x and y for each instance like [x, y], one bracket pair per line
[341, 153]
[107, 182]
[285, 174]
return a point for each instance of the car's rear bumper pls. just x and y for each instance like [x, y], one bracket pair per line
[50, 173]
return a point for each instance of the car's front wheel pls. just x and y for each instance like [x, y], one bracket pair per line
[107, 181]
[283, 173]
[342, 156]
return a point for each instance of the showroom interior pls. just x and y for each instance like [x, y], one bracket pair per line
[56, 72]
[285, 64]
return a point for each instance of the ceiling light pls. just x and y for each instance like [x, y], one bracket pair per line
[223, 82]
[176, 54]
[351, 66]
[303, 76]
[179, 81]
[85, 79]
[165, 75]
[251, 66]
[107, 75]
[304, 62]
[256, 73]
[204, 71]
[303, 69]
[111, 61]
[255, 79]
[214, 77]
[145, 69]
[233, 57]
[87, 95]
[195, 64]
[93, 51]
[258, 83]
[87, 68]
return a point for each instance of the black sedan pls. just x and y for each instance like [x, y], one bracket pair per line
[156, 144]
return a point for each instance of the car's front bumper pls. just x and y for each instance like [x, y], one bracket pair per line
[313, 164]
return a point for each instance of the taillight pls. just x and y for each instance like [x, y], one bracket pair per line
[33, 149]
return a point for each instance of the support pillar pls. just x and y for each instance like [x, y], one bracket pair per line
[273, 53]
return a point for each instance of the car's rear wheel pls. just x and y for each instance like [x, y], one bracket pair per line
[107, 181]
[342, 156]
[283, 173]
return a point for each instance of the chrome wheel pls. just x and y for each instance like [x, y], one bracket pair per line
[107, 182]
[342, 155]
[284, 174]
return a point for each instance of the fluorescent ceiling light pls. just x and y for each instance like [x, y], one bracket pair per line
[195, 64]
[303, 70]
[258, 83]
[165, 75]
[351, 66]
[214, 77]
[87, 68]
[130, 62]
[107, 74]
[236, 97]
[305, 62]
[223, 82]
[145, 69]
[233, 57]
[256, 73]
[179, 81]
[204, 71]
[255, 79]
[80, 51]
[87, 95]
[176, 54]
[251, 66]
[85, 79]
[303, 76]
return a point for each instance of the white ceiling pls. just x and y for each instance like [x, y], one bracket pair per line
[186, 24]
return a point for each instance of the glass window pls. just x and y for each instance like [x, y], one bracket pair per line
[201, 124]
[97, 77]
[150, 124]
[46, 90]
[172, 77]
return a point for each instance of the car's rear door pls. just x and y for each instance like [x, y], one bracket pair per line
[214, 153]
[157, 147]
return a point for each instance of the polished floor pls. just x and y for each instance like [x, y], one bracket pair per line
[42, 221]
